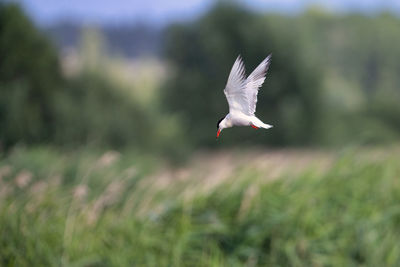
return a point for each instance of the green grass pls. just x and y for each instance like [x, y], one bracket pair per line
[85, 209]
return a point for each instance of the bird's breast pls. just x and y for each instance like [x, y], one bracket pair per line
[240, 120]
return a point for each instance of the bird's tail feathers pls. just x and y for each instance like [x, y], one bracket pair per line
[266, 126]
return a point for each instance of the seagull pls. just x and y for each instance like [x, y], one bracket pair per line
[241, 94]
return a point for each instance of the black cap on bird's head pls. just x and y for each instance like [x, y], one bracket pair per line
[219, 122]
[219, 131]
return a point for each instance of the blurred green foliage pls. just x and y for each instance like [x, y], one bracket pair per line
[84, 209]
[39, 105]
[361, 82]
[333, 80]
[29, 78]
[91, 111]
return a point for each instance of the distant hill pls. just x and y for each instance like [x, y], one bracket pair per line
[128, 40]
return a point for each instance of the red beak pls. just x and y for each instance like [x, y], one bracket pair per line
[218, 133]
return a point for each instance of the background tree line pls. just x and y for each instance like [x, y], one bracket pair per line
[334, 80]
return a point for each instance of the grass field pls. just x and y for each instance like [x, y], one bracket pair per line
[228, 208]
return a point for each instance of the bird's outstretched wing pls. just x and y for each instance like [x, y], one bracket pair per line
[235, 90]
[254, 82]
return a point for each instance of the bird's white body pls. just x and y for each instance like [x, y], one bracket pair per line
[241, 93]
[240, 119]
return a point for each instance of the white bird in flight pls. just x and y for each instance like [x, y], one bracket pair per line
[241, 94]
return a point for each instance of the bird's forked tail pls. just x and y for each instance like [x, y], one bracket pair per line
[266, 126]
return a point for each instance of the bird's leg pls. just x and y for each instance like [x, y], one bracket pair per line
[255, 127]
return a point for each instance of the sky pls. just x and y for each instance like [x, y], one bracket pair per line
[164, 11]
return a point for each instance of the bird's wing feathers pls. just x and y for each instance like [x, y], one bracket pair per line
[240, 92]
[235, 90]
[255, 81]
